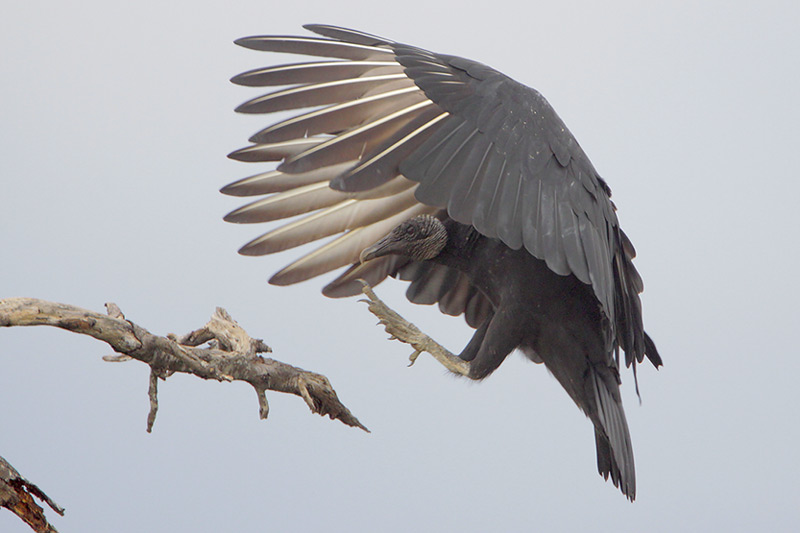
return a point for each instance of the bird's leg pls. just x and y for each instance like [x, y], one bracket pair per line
[401, 329]
[474, 346]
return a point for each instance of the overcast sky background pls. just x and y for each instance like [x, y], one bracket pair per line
[115, 122]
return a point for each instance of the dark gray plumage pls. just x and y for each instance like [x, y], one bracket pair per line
[533, 255]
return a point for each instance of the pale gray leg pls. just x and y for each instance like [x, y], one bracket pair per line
[404, 331]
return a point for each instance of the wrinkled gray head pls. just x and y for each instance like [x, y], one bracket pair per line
[420, 238]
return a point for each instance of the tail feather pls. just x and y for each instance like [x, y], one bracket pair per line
[613, 439]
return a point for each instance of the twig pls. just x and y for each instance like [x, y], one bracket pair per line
[152, 393]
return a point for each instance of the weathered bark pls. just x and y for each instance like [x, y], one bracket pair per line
[16, 495]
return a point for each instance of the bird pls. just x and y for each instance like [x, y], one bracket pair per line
[443, 172]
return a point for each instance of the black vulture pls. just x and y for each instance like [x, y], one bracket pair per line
[480, 197]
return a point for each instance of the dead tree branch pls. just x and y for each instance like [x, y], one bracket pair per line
[16, 495]
[229, 354]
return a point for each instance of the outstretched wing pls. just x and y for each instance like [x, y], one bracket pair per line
[395, 131]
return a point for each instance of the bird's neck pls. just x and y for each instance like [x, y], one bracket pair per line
[459, 250]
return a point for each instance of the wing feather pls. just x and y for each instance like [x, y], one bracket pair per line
[431, 285]
[343, 250]
[277, 181]
[373, 272]
[339, 117]
[275, 151]
[287, 204]
[376, 169]
[346, 215]
[316, 94]
[462, 202]
[311, 46]
[357, 142]
[300, 73]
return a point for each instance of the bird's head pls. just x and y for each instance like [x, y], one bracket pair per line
[421, 238]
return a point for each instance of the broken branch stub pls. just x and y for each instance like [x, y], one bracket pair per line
[17, 495]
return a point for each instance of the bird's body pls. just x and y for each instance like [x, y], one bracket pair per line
[552, 319]
[539, 308]
[529, 248]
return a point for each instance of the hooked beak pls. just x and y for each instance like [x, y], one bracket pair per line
[385, 246]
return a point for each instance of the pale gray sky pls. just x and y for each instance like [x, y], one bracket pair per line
[116, 119]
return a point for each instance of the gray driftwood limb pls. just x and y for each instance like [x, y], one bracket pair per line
[221, 350]
[16, 495]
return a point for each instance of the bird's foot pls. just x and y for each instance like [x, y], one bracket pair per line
[404, 331]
